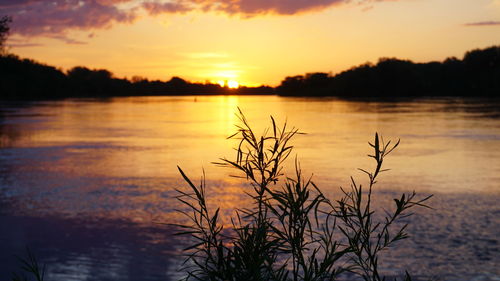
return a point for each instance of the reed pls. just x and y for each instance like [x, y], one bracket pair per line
[293, 231]
[29, 265]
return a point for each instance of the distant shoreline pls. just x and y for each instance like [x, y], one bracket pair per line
[476, 75]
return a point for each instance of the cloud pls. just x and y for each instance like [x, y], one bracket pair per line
[282, 7]
[56, 17]
[483, 23]
[367, 8]
[23, 45]
[242, 7]
[49, 18]
[206, 55]
[67, 40]
[14, 42]
[155, 8]
[248, 8]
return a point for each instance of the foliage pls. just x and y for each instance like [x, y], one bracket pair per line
[474, 75]
[292, 232]
[30, 265]
[4, 31]
[25, 79]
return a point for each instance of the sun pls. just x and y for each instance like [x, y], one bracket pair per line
[231, 84]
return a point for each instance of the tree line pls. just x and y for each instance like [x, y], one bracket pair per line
[476, 74]
[25, 79]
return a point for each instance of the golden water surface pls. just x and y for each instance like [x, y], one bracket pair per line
[102, 173]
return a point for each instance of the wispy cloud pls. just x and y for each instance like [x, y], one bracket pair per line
[367, 8]
[155, 8]
[24, 45]
[14, 42]
[67, 40]
[483, 23]
[206, 55]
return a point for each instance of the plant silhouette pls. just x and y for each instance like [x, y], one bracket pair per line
[292, 232]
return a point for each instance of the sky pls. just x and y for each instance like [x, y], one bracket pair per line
[250, 42]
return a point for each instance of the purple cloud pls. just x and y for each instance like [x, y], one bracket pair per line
[38, 17]
[155, 8]
[54, 18]
[23, 45]
[67, 40]
[247, 8]
[483, 23]
[242, 7]
[282, 7]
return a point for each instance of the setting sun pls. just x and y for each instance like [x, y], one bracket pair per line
[232, 84]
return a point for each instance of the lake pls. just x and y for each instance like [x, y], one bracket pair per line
[87, 184]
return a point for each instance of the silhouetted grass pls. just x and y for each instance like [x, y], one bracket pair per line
[30, 266]
[292, 232]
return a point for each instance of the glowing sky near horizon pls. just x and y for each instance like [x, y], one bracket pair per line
[252, 42]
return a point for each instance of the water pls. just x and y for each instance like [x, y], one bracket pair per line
[85, 183]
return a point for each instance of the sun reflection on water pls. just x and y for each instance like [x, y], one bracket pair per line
[82, 160]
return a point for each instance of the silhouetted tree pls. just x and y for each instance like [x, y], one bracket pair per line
[26, 79]
[292, 86]
[4, 32]
[482, 67]
[478, 74]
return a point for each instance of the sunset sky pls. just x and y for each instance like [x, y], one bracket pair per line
[252, 42]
